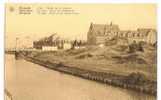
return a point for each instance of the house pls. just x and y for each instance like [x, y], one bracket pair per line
[99, 34]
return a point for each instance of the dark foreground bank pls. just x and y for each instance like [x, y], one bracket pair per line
[133, 81]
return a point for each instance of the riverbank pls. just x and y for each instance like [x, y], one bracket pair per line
[114, 65]
[133, 81]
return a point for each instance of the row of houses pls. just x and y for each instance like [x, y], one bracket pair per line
[101, 33]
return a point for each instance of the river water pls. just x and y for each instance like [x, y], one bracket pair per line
[28, 81]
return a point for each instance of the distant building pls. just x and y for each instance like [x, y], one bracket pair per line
[101, 33]
[51, 43]
[49, 48]
[46, 41]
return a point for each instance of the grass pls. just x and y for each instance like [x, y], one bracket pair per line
[111, 59]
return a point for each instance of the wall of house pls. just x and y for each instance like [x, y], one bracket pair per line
[100, 39]
[91, 37]
[137, 40]
[152, 37]
[49, 48]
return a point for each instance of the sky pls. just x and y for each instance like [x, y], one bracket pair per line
[30, 27]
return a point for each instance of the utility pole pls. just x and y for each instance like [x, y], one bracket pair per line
[16, 43]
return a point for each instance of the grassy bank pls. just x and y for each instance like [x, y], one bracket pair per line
[111, 65]
[111, 59]
[133, 81]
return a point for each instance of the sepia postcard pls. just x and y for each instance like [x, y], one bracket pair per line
[80, 51]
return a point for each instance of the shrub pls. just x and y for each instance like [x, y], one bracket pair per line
[136, 47]
[136, 78]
